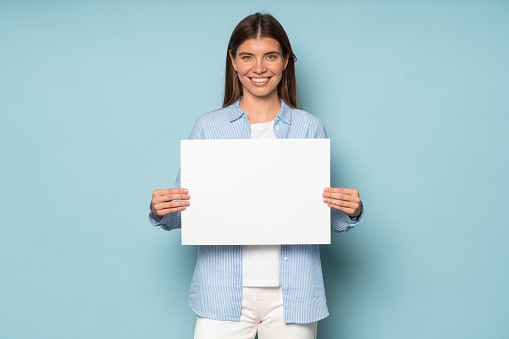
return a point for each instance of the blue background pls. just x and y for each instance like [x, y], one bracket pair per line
[95, 96]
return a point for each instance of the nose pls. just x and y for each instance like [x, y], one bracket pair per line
[259, 67]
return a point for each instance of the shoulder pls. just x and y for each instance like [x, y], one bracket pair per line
[301, 117]
[213, 120]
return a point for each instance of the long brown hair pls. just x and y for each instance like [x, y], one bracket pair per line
[260, 26]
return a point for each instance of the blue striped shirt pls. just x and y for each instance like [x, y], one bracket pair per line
[216, 287]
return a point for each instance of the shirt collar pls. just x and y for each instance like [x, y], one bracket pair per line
[284, 114]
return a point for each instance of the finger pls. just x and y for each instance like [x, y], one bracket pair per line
[349, 191]
[170, 210]
[342, 196]
[166, 191]
[341, 203]
[349, 211]
[170, 197]
[172, 204]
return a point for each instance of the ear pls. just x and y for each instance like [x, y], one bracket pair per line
[286, 61]
[233, 60]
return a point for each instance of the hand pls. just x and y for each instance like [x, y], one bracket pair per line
[163, 201]
[343, 199]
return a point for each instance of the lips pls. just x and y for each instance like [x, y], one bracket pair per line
[259, 81]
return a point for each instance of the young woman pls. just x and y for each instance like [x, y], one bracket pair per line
[275, 291]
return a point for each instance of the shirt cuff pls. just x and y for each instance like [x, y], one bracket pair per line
[155, 220]
[357, 220]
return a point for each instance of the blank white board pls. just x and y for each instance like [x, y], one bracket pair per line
[255, 192]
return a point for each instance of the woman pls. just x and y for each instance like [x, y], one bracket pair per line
[276, 291]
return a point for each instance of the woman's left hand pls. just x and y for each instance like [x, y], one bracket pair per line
[343, 199]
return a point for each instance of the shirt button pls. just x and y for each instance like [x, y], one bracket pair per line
[286, 287]
[286, 259]
[277, 127]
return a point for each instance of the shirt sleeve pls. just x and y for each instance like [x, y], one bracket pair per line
[341, 221]
[169, 221]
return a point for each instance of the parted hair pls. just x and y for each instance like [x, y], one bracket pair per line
[260, 26]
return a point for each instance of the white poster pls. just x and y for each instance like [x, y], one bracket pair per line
[255, 192]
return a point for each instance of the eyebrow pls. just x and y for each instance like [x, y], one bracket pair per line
[271, 52]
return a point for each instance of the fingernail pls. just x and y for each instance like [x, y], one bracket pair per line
[185, 190]
[326, 189]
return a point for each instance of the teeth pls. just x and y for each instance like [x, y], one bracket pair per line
[260, 79]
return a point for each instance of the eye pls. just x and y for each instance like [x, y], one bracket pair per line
[272, 57]
[246, 57]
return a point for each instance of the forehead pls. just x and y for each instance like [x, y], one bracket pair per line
[259, 46]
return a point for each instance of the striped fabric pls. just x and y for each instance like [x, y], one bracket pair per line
[216, 288]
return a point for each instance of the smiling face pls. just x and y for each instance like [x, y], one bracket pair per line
[259, 64]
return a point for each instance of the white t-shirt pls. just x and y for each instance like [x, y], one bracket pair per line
[261, 264]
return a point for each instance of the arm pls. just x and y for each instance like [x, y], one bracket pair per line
[166, 206]
[346, 206]
[169, 203]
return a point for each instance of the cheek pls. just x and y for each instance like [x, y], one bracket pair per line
[243, 69]
[277, 69]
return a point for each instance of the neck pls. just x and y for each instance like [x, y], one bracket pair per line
[260, 110]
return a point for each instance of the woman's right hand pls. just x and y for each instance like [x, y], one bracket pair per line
[163, 201]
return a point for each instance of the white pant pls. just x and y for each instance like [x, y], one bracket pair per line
[262, 312]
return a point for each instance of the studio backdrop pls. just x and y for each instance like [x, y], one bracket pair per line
[95, 97]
